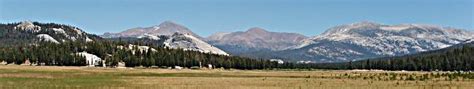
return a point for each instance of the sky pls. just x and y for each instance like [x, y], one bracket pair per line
[205, 17]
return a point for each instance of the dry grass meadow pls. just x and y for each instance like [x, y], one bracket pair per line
[47, 77]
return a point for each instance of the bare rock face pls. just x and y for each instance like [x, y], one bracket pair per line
[189, 42]
[256, 38]
[165, 28]
[367, 40]
[28, 26]
[170, 35]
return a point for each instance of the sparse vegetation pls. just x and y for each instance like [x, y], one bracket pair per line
[46, 77]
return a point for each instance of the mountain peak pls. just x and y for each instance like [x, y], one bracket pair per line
[344, 41]
[27, 22]
[257, 30]
[255, 38]
[365, 23]
[168, 23]
[164, 28]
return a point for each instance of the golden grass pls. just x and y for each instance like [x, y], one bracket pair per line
[47, 77]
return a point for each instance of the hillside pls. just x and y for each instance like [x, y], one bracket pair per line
[254, 40]
[165, 28]
[458, 57]
[29, 33]
[168, 34]
[257, 38]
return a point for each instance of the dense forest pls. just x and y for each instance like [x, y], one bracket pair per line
[46, 53]
[9, 36]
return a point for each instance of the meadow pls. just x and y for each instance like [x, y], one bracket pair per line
[47, 77]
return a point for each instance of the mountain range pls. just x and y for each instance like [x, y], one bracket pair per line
[254, 40]
[362, 45]
[368, 40]
[350, 42]
[342, 43]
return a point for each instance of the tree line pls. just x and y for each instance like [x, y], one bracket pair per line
[64, 54]
[454, 58]
[45, 53]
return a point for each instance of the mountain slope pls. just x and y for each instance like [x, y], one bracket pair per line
[189, 42]
[368, 40]
[254, 42]
[28, 32]
[175, 41]
[167, 34]
[457, 57]
[165, 28]
[257, 38]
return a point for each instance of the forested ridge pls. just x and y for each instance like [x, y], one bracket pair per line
[9, 36]
[64, 55]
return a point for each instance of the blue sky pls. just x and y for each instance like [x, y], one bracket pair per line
[205, 17]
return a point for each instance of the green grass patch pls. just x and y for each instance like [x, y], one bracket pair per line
[33, 79]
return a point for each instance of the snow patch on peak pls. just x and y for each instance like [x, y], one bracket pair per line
[46, 37]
